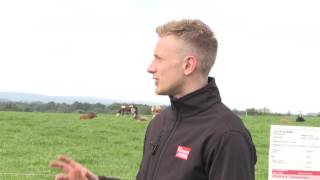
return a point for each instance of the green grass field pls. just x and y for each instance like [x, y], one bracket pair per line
[108, 145]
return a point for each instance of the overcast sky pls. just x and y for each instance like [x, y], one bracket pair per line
[268, 56]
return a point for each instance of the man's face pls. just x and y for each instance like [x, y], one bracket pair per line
[167, 66]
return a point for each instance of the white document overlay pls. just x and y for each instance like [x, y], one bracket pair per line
[294, 153]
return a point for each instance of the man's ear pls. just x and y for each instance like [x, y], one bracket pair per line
[190, 64]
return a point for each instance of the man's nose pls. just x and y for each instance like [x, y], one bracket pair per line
[151, 67]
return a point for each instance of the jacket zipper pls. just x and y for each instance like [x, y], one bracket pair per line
[165, 146]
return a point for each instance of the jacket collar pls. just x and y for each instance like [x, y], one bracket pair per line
[197, 101]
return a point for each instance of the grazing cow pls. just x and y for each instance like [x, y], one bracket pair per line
[134, 111]
[90, 115]
[300, 118]
[126, 110]
[155, 110]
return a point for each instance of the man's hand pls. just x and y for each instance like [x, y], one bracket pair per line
[71, 169]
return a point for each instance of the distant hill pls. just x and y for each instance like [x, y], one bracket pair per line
[29, 97]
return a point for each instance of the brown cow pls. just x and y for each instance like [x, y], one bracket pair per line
[90, 115]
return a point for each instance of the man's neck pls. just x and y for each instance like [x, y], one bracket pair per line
[192, 85]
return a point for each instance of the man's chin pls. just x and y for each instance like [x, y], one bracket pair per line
[159, 92]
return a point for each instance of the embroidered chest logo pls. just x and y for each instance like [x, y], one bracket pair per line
[183, 152]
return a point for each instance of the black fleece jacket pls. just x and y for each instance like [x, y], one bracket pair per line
[197, 138]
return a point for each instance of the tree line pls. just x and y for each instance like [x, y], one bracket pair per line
[254, 111]
[83, 107]
[76, 107]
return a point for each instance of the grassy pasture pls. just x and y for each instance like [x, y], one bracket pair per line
[108, 145]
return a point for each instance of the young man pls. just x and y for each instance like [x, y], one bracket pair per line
[197, 137]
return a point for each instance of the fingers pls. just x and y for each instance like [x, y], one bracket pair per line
[70, 162]
[60, 165]
[72, 169]
[61, 177]
[64, 163]
[67, 160]
[73, 174]
[76, 175]
[91, 176]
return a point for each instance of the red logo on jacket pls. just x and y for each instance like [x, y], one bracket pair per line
[183, 152]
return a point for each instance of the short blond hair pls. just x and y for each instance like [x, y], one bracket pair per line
[198, 35]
